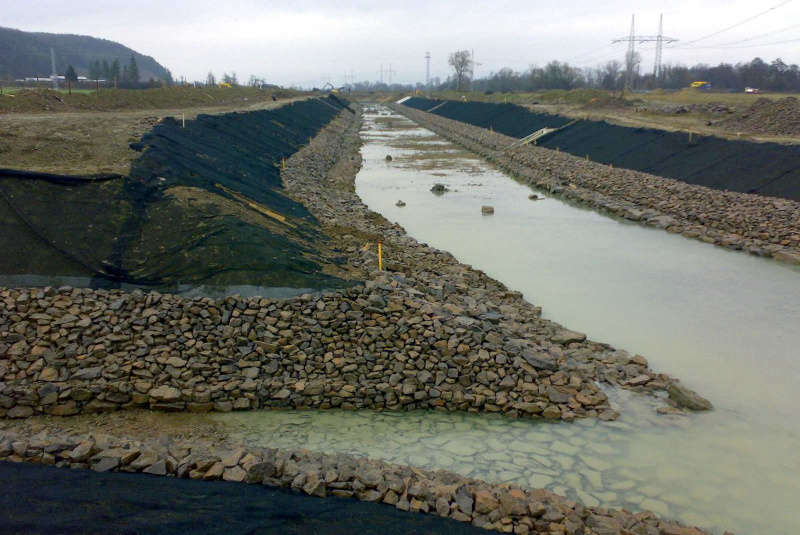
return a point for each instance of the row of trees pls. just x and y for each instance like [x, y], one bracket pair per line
[232, 79]
[613, 75]
[123, 75]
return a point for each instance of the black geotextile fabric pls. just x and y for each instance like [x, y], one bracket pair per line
[203, 205]
[765, 168]
[744, 166]
[508, 119]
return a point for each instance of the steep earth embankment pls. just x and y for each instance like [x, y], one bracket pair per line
[768, 169]
[755, 224]
[202, 205]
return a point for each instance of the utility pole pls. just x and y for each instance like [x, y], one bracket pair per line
[427, 69]
[381, 73]
[55, 73]
[659, 39]
[390, 73]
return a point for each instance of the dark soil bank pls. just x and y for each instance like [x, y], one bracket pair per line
[203, 204]
[60, 501]
[743, 166]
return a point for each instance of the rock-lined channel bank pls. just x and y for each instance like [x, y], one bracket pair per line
[763, 226]
[428, 333]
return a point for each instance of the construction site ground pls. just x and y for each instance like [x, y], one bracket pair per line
[97, 141]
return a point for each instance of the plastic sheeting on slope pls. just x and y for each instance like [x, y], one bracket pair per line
[202, 205]
[771, 169]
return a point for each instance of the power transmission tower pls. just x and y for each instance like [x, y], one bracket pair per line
[633, 38]
[390, 73]
[381, 73]
[53, 64]
[472, 69]
[427, 69]
[659, 50]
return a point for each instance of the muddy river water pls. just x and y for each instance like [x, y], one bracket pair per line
[726, 323]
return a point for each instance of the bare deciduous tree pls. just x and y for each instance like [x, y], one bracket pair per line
[461, 61]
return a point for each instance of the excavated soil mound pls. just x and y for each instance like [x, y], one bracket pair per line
[775, 117]
[31, 101]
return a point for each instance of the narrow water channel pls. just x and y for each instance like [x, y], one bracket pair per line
[726, 323]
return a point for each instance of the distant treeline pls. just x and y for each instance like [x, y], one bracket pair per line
[774, 76]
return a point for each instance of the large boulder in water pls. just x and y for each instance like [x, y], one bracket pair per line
[688, 398]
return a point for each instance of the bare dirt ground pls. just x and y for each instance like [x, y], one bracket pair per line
[91, 142]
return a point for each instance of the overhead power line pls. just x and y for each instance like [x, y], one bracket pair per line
[753, 38]
[745, 21]
[756, 45]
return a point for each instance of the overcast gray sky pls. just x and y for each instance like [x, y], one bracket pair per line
[300, 41]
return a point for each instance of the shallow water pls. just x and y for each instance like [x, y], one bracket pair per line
[726, 323]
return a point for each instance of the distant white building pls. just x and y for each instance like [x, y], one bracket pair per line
[59, 78]
[43, 79]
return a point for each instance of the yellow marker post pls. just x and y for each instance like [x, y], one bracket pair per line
[183, 119]
[690, 136]
[283, 163]
[491, 129]
[380, 256]
[587, 157]
[309, 140]
[611, 165]
[558, 149]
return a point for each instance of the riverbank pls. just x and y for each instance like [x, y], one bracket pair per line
[754, 224]
[428, 332]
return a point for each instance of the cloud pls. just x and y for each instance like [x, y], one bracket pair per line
[304, 40]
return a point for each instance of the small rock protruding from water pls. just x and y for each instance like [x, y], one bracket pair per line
[400, 203]
[486, 210]
[534, 197]
[388, 157]
[439, 189]
[688, 398]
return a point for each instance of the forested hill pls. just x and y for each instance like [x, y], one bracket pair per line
[26, 54]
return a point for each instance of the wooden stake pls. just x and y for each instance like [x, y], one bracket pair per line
[380, 256]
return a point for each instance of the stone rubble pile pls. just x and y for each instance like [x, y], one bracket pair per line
[764, 226]
[503, 508]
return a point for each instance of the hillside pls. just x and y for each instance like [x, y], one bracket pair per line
[26, 54]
